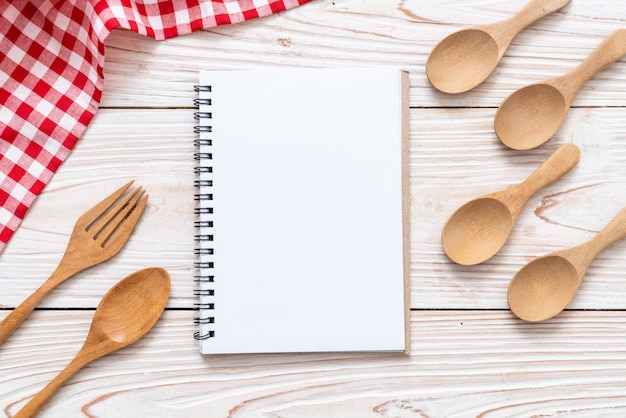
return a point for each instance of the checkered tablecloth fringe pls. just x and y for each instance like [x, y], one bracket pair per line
[51, 76]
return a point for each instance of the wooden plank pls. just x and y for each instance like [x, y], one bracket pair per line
[463, 364]
[471, 357]
[153, 147]
[455, 157]
[141, 72]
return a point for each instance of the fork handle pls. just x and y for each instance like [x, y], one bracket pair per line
[21, 312]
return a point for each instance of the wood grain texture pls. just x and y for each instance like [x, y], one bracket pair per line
[140, 296]
[327, 33]
[471, 356]
[454, 157]
[465, 364]
[98, 234]
[119, 146]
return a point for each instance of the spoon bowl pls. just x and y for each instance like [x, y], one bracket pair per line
[530, 116]
[464, 59]
[477, 230]
[550, 279]
[141, 296]
[546, 285]
[125, 314]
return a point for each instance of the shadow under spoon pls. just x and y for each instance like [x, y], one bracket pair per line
[477, 230]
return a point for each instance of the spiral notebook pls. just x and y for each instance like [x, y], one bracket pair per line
[302, 210]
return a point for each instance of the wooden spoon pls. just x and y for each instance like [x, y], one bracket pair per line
[126, 313]
[544, 287]
[531, 115]
[477, 230]
[464, 59]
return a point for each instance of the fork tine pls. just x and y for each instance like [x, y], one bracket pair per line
[96, 228]
[120, 235]
[89, 217]
[117, 216]
[85, 249]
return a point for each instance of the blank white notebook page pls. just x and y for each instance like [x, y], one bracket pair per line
[307, 202]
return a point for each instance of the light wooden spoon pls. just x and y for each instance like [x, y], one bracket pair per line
[126, 313]
[477, 230]
[464, 59]
[531, 115]
[546, 285]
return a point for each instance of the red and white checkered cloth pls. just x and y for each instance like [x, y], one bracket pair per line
[51, 78]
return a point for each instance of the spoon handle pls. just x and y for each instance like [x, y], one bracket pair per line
[612, 232]
[39, 400]
[504, 31]
[558, 164]
[611, 49]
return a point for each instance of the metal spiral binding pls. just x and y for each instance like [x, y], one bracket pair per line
[202, 267]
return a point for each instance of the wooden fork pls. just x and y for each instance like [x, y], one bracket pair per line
[98, 235]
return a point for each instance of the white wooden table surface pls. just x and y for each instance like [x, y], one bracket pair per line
[470, 355]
